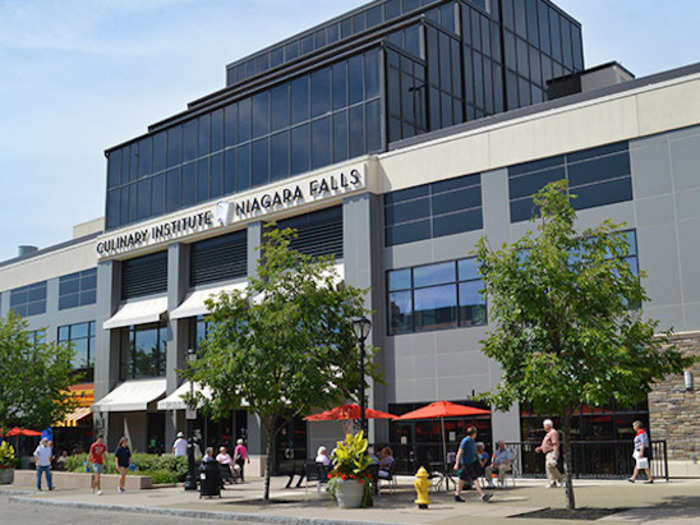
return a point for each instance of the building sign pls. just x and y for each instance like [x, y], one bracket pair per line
[247, 207]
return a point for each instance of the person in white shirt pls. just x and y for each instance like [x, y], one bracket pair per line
[501, 463]
[180, 445]
[42, 459]
[322, 456]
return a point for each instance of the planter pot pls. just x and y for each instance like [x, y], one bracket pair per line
[7, 476]
[349, 493]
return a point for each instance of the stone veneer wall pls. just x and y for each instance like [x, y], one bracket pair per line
[674, 413]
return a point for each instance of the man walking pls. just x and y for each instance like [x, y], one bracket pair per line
[97, 450]
[180, 445]
[468, 467]
[500, 463]
[550, 448]
[42, 459]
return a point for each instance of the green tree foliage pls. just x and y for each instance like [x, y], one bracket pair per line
[285, 344]
[566, 324]
[34, 376]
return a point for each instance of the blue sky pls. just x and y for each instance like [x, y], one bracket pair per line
[79, 76]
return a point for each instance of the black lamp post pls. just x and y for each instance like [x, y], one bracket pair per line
[191, 415]
[361, 328]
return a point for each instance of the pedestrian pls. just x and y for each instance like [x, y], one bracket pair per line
[501, 463]
[322, 456]
[97, 450]
[641, 453]
[61, 461]
[483, 457]
[122, 459]
[42, 459]
[240, 455]
[550, 448]
[180, 445]
[386, 463]
[467, 466]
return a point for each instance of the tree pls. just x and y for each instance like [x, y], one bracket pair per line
[284, 345]
[34, 376]
[568, 328]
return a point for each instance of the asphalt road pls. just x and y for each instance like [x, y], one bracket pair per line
[27, 514]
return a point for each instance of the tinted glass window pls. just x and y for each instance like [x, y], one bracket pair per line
[261, 174]
[173, 189]
[189, 184]
[203, 180]
[217, 130]
[320, 92]
[340, 136]
[279, 110]
[320, 143]
[243, 171]
[159, 153]
[279, 156]
[300, 149]
[231, 124]
[189, 140]
[261, 114]
[244, 122]
[355, 79]
[300, 100]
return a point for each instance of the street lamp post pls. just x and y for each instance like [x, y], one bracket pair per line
[361, 328]
[191, 415]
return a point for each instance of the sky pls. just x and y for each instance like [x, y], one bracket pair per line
[77, 77]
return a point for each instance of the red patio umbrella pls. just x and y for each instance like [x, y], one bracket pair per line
[349, 411]
[22, 432]
[441, 410]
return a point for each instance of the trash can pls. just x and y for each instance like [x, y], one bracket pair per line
[209, 479]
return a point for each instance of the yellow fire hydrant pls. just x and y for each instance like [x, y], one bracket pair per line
[422, 484]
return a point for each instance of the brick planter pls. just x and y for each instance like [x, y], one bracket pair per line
[75, 480]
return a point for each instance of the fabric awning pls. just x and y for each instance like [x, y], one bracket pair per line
[138, 312]
[193, 305]
[72, 419]
[132, 396]
[175, 400]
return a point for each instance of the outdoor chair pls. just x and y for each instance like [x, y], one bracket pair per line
[388, 477]
[229, 474]
[317, 472]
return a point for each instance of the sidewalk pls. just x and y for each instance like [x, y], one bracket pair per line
[677, 502]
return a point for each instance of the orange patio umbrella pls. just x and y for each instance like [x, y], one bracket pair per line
[441, 410]
[349, 411]
[22, 432]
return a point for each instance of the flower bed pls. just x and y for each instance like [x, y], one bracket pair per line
[162, 469]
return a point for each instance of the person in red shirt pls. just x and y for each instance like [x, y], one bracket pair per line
[97, 450]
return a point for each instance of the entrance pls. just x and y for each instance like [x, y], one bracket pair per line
[289, 452]
[155, 433]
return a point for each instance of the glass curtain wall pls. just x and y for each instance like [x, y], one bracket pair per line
[82, 335]
[143, 351]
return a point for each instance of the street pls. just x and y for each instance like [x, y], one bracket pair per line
[27, 514]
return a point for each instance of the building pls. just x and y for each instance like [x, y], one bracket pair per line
[392, 137]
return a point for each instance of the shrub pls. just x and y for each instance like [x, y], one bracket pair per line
[7, 456]
[168, 468]
[163, 476]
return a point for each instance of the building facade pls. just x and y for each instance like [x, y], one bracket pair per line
[393, 137]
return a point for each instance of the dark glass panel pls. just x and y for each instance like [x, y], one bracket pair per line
[88, 297]
[407, 194]
[340, 136]
[488, 87]
[261, 114]
[159, 152]
[346, 28]
[277, 56]
[374, 16]
[291, 51]
[400, 279]
[189, 184]
[407, 211]
[435, 307]
[145, 146]
[359, 22]
[567, 51]
[133, 162]
[372, 74]
[279, 156]
[202, 180]
[355, 79]
[231, 124]
[458, 222]
[520, 18]
[189, 141]
[434, 274]
[599, 169]
[445, 67]
[521, 48]
[412, 44]
[320, 142]
[455, 183]
[601, 194]
[478, 80]
[204, 135]
[332, 33]
[307, 44]
[261, 162]
[279, 107]
[555, 34]
[158, 195]
[509, 42]
[456, 200]
[114, 168]
[320, 92]
[533, 35]
[536, 165]
[113, 208]
[229, 171]
[522, 210]
[217, 130]
[124, 206]
[300, 149]
[507, 14]
[340, 85]
[392, 9]
[400, 313]
[216, 176]
[498, 102]
[319, 39]
[468, 269]
[527, 185]
[144, 197]
[68, 301]
[597, 152]
[69, 284]
[472, 305]
[172, 200]
[577, 47]
[244, 111]
[300, 99]
[174, 146]
[133, 202]
[243, 167]
[373, 122]
[404, 233]
[357, 139]
[524, 91]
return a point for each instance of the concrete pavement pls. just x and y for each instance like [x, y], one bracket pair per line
[677, 503]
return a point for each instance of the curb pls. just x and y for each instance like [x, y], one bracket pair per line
[184, 513]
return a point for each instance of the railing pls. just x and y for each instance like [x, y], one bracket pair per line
[591, 459]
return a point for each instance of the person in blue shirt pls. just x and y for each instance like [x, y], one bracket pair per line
[467, 466]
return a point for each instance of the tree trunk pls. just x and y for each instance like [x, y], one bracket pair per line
[568, 459]
[268, 462]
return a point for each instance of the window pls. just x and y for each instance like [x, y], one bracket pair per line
[435, 296]
[597, 176]
[318, 233]
[82, 335]
[433, 210]
[143, 351]
[77, 289]
[219, 259]
[29, 300]
[145, 275]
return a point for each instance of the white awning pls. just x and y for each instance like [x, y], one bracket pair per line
[132, 396]
[138, 312]
[193, 305]
[175, 400]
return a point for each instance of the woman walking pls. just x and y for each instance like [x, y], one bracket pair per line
[641, 453]
[240, 455]
[122, 458]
